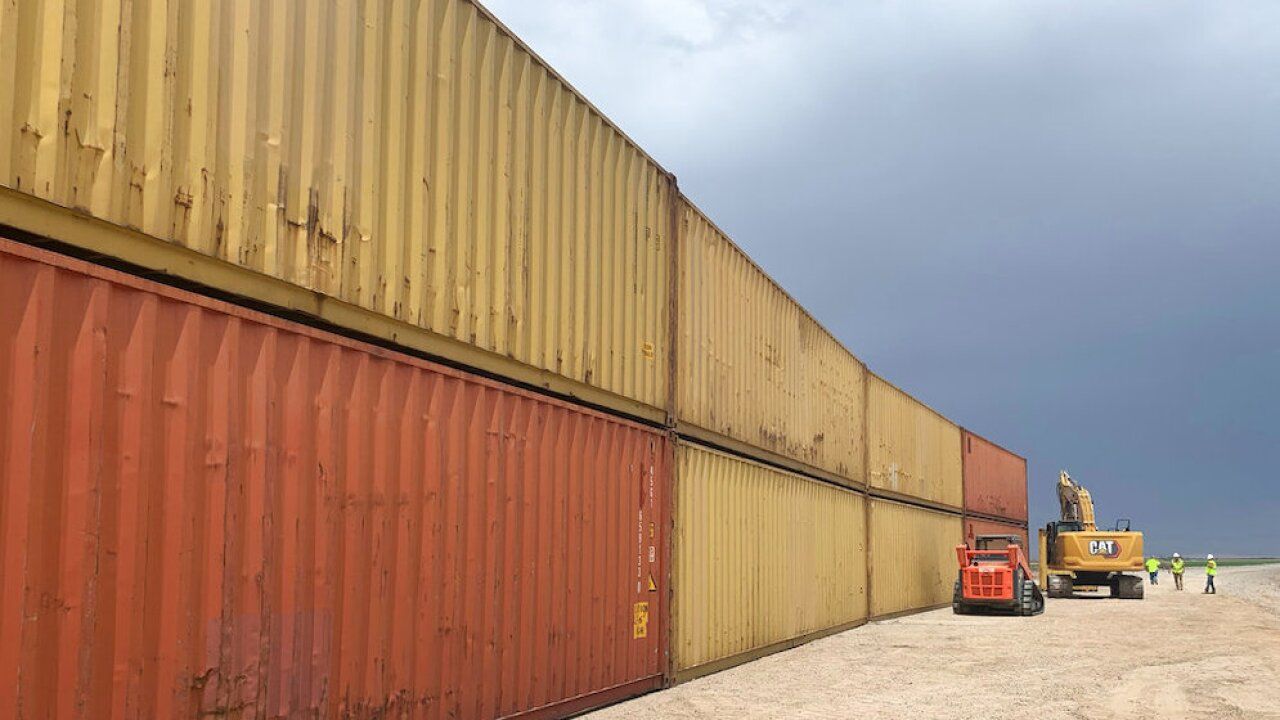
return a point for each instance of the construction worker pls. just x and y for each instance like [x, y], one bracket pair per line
[1210, 570]
[1153, 567]
[1178, 567]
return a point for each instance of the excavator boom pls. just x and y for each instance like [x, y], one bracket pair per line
[1076, 504]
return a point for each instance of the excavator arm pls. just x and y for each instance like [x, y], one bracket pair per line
[1076, 504]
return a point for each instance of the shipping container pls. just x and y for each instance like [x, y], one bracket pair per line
[995, 480]
[764, 559]
[913, 451]
[408, 170]
[912, 557]
[209, 512]
[974, 527]
[755, 367]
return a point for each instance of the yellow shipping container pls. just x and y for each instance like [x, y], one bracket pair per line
[413, 161]
[764, 560]
[912, 557]
[912, 450]
[756, 368]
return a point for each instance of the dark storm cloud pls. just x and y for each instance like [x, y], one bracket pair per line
[1058, 223]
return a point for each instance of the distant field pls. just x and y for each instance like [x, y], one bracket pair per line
[1231, 562]
[1199, 562]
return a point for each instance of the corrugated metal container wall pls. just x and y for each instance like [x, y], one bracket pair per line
[974, 527]
[912, 556]
[995, 480]
[913, 450]
[412, 159]
[755, 367]
[206, 511]
[761, 557]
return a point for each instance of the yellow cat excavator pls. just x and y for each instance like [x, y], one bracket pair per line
[1075, 555]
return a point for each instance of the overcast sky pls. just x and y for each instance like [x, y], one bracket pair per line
[1056, 222]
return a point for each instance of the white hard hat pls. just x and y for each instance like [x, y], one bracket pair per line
[1210, 556]
[1176, 555]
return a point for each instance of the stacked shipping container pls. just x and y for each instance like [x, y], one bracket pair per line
[995, 480]
[247, 508]
[207, 511]
[758, 375]
[912, 557]
[763, 557]
[770, 541]
[914, 453]
[995, 490]
[914, 464]
[756, 372]
[408, 171]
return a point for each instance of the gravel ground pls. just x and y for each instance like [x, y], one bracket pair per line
[1172, 655]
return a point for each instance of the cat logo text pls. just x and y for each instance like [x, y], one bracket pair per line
[1105, 548]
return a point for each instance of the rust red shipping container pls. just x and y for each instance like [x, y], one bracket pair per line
[995, 480]
[205, 511]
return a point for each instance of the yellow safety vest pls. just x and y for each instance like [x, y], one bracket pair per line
[1211, 567]
[1153, 565]
[1177, 567]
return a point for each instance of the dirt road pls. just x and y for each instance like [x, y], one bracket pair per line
[1173, 655]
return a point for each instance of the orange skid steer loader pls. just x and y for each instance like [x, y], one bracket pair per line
[995, 577]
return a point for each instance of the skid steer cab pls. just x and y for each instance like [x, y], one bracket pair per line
[995, 578]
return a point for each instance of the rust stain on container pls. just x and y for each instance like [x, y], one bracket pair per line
[208, 512]
[995, 480]
[755, 367]
[974, 527]
[912, 557]
[414, 160]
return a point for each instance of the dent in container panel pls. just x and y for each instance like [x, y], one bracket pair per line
[995, 480]
[205, 511]
[761, 557]
[912, 450]
[755, 367]
[912, 556]
[410, 159]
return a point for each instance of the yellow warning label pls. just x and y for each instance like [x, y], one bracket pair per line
[640, 621]
[653, 586]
